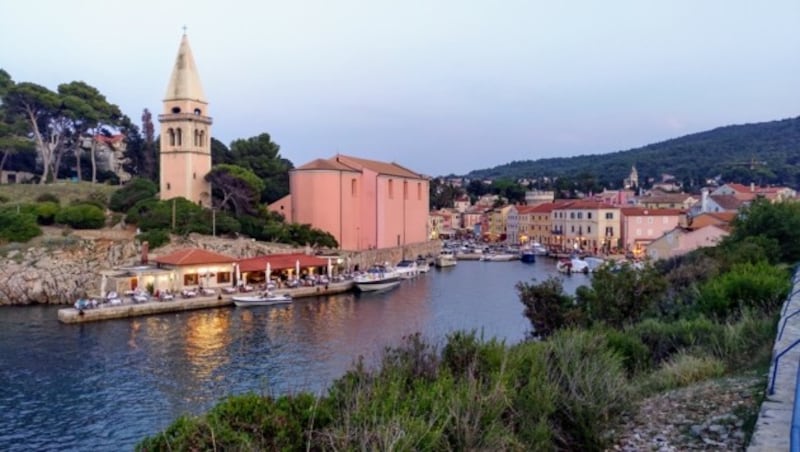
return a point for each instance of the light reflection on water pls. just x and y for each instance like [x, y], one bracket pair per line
[104, 386]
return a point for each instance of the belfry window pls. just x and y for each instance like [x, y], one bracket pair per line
[171, 133]
[179, 137]
[176, 110]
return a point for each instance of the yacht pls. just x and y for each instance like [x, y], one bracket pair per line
[446, 259]
[378, 277]
[406, 269]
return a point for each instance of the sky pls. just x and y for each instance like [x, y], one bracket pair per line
[439, 86]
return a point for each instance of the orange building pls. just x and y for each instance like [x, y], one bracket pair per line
[363, 203]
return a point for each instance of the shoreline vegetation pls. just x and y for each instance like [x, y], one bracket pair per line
[631, 337]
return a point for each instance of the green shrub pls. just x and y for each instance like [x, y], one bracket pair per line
[155, 238]
[592, 387]
[17, 227]
[757, 286]
[465, 355]
[3, 199]
[547, 307]
[96, 198]
[664, 338]
[533, 396]
[82, 216]
[134, 191]
[114, 219]
[683, 369]
[46, 212]
[48, 197]
[747, 342]
[634, 353]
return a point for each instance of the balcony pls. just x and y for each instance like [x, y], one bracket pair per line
[185, 117]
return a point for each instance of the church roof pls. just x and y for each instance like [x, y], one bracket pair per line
[389, 169]
[184, 83]
[324, 164]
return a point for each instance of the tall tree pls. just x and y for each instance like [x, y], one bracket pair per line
[220, 154]
[262, 156]
[41, 109]
[238, 189]
[89, 113]
[12, 127]
[150, 158]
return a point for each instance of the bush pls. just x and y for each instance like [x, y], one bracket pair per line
[747, 342]
[17, 227]
[634, 353]
[684, 369]
[666, 338]
[46, 212]
[48, 197]
[3, 199]
[756, 286]
[547, 307]
[134, 191]
[155, 238]
[96, 198]
[82, 216]
[592, 387]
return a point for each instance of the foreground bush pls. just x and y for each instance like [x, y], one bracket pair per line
[17, 227]
[758, 286]
[82, 216]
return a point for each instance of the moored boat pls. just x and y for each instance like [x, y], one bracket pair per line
[261, 300]
[573, 265]
[445, 259]
[378, 277]
[498, 257]
[527, 256]
[407, 269]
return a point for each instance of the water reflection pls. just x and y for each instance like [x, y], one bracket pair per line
[105, 385]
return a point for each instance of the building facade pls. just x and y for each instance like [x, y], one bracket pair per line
[185, 157]
[641, 226]
[364, 204]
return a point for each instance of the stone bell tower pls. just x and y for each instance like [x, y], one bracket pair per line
[185, 133]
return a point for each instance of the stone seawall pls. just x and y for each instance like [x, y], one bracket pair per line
[58, 270]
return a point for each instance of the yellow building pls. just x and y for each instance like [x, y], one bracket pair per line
[587, 226]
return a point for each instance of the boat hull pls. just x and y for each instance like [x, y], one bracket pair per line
[371, 286]
[528, 258]
[261, 301]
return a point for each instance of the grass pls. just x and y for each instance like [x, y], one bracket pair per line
[65, 191]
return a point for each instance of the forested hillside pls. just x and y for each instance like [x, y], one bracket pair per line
[766, 153]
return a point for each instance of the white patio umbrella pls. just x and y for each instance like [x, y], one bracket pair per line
[238, 275]
[268, 274]
[330, 268]
[297, 268]
[103, 281]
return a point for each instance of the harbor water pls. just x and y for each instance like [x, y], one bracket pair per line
[106, 385]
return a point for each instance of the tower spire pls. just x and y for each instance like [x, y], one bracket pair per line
[184, 83]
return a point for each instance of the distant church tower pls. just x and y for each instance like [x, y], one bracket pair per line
[632, 181]
[185, 133]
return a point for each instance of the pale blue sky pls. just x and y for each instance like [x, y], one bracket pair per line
[438, 86]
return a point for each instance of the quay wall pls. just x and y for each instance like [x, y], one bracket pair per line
[59, 269]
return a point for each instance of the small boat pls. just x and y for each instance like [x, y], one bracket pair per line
[527, 256]
[446, 259]
[262, 300]
[498, 257]
[378, 277]
[539, 249]
[573, 265]
[407, 269]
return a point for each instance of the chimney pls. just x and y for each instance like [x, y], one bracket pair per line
[145, 248]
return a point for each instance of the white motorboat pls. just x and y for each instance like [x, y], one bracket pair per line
[423, 266]
[498, 257]
[446, 259]
[573, 265]
[261, 300]
[378, 277]
[406, 269]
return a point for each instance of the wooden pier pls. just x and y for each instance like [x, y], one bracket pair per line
[130, 309]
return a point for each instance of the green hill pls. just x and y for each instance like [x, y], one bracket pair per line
[765, 153]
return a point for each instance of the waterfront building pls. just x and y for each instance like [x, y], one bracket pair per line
[435, 225]
[589, 226]
[364, 204]
[185, 153]
[285, 267]
[680, 241]
[518, 224]
[496, 219]
[193, 268]
[472, 219]
[642, 226]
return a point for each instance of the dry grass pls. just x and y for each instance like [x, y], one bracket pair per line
[66, 191]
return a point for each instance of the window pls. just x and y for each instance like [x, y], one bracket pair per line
[589, 215]
[405, 189]
[197, 138]
[609, 231]
[391, 189]
[650, 220]
[223, 277]
[353, 187]
[202, 138]
[171, 134]
[639, 220]
[419, 191]
[665, 220]
[588, 229]
[176, 110]
[168, 186]
[638, 232]
[179, 137]
[572, 228]
[194, 175]
[580, 215]
[197, 111]
[190, 279]
[609, 215]
[572, 215]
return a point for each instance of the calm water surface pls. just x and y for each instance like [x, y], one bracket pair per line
[107, 385]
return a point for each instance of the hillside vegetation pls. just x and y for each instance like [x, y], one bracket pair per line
[67, 192]
[765, 153]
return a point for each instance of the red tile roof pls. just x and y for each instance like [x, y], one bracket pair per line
[644, 212]
[194, 256]
[280, 262]
[325, 164]
[586, 204]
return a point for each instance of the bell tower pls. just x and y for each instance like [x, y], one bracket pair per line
[185, 156]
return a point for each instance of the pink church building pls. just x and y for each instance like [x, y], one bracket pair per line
[364, 204]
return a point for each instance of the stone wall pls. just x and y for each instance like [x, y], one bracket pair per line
[59, 270]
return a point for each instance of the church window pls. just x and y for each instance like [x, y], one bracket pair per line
[202, 138]
[391, 189]
[178, 137]
[419, 191]
[168, 186]
[197, 111]
[353, 187]
[197, 138]
[194, 175]
[176, 110]
[171, 133]
[405, 189]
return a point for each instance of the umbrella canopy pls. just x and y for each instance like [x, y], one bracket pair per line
[103, 286]
[238, 275]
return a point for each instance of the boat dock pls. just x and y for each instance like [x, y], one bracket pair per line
[130, 309]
